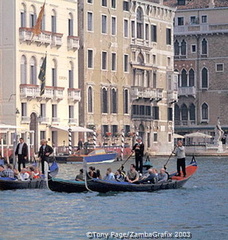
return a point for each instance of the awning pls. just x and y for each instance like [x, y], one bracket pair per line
[73, 128]
[7, 126]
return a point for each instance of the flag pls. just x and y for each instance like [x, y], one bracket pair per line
[37, 28]
[42, 75]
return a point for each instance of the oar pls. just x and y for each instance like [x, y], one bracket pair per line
[169, 157]
[121, 168]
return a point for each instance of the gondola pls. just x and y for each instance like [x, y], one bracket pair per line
[7, 183]
[114, 186]
[72, 186]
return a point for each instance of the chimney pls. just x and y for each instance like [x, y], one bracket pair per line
[212, 4]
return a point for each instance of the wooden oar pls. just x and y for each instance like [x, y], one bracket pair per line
[122, 166]
[169, 157]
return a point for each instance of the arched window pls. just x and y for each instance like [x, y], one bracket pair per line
[23, 15]
[176, 48]
[184, 112]
[32, 16]
[204, 78]
[114, 103]
[33, 75]
[204, 111]
[192, 112]
[204, 46]
[53, 21]
[104, 102]
[176, 113]
[191, 78]
[54, 73]
[70, 25]
[184, 78]
[23, 70]
[71, 75]
[139, 23]
[183, 48]
[90, 100]
[140, 59]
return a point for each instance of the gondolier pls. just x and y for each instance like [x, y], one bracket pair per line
[138, 148]
[22, 153]
[44, 152]
[180, 153]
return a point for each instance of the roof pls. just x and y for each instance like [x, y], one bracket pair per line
[195, 4]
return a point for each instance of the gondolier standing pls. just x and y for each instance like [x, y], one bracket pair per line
[138, 148]
[22, 153]
[44, 152]
[180, 153]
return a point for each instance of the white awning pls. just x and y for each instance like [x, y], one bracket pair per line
[7, 126]
[73, 128]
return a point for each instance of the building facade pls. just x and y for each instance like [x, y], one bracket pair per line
[126, 71]
[21, 56]
[201, 58]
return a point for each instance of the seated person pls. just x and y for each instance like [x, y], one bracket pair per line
[9, 171]
[119, 176]
[162, 176]
[151, 178]
[109, 175]
[92, 173]
[24, 175]
[98, 172]
[132, 174]
[80, 176]
[2, 171]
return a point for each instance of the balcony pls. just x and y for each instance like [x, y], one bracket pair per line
[43, 120]
[29, 91]
[25, 119]
[172, 97]
[187, 91]
[152, 94]
[140, 42]
[73, 121]
[185, 122]
[73, 43]
[74, 94]
[57, 40]
[55, 120]
[26, 35]
[58, 93]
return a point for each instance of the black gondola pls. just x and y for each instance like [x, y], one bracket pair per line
[72, 186]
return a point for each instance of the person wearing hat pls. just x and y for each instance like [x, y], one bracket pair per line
[138, 149]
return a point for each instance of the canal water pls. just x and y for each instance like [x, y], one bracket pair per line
[196, 211]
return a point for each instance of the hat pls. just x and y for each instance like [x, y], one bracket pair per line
[139, 138]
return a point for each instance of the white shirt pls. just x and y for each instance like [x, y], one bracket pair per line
[20, 148]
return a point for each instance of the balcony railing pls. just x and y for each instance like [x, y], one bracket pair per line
[58, 93]
[185, 122]
[43, 120]
[187, 91]
[57, 39]
[25, 119]
[73, 43]
[74, 94]
[55, 120]
[73, 120]
[172, 96]
[140, 42]
[153, 94]
[29, 91]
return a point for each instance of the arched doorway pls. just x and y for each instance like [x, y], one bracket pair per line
[33, 127]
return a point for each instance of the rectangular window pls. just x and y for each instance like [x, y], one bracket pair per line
[219, 67]
[126, 101]
[169, 137]
[104, 130]
[90, 21]
[170, 114]
[42, 135]
[104, 3]
[114, 130]
[104, 60]
[153, 33]
[104, 24]
[54, 77]
[113, 3]
[53, 24]
[204, 19]
[42, 110]
[23, 19]
[125, 28]
[89, 1]
[155, 112]
[125, 5]
[155, 137]
[127, 130]
[133, 29]
[71, 112]
[54, 111]
[113, 25]
[90, 58]
[125, 63]
[71, 79]
[168, 36]
[154, 59]
[193, 48]
[23, 109]
[180, 21]
[113, 61]
[147, 31]
[193, 20]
